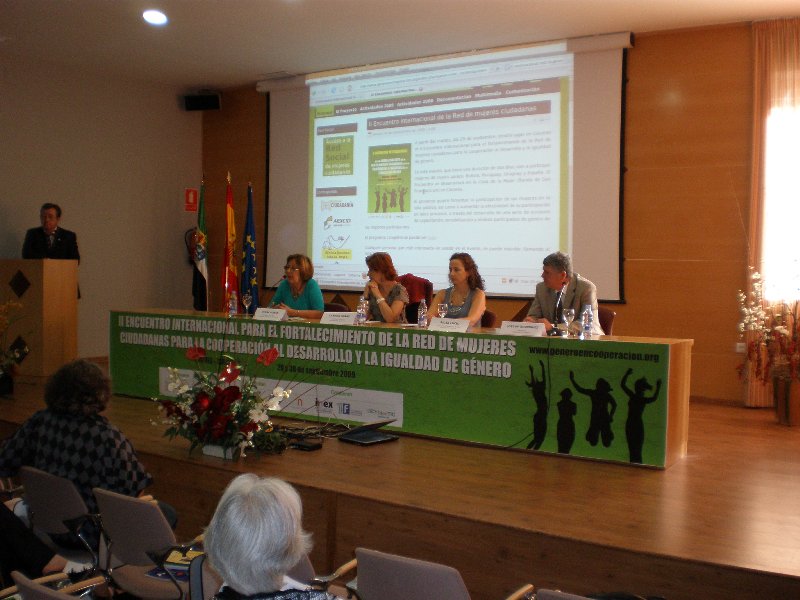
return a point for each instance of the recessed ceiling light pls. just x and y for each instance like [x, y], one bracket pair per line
[155, 17]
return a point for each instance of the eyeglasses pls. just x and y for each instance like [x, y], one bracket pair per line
[290, 268]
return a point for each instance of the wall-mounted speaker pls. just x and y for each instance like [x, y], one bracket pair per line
[202, 101]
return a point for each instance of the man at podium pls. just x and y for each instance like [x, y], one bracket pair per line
[49, 240]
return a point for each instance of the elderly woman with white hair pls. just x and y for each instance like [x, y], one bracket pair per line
[255, 537]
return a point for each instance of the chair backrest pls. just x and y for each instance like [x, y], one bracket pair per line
[135, 526]
[488, 319]
[51, 500]
[303, 571]
[204, 581]
[384, 576]
[411, 312]
[417, 288]
[606, 318]
[336, 307]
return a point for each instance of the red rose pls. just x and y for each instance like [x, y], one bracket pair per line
[196, 353]
[267, 357]
[230, 373]
[218, 425]
[224, 398]
[201, 404]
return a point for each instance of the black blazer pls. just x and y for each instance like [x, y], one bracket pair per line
[65, 246]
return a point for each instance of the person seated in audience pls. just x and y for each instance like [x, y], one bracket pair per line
[386, 296]
[22, 550]
[70, 439]
[298, 294]
[255, 537]
[465, 299]
[562, 288]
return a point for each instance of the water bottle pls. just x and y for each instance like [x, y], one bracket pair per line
[422, 314]
[361, 311]
[587, 319]
[233, 304]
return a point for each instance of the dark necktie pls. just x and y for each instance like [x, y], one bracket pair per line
[559, 305]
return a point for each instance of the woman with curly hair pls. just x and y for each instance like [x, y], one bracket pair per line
[465, 299]
[71, 439]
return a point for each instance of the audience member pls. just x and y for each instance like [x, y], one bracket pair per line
[255, 537]
[71, 439]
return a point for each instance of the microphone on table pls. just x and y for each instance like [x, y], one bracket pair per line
[274, 286]
[554, 330]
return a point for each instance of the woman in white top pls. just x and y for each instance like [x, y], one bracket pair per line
[465, 299]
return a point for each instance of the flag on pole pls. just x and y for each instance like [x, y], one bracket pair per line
[249, 277]
[230, 270]
[200, 256]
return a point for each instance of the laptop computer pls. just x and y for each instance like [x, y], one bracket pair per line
[368, 434]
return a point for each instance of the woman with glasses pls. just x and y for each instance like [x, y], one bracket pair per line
[298, 294]
[387, 298]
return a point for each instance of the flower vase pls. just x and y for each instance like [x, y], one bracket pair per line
[225, 452]
[759, 392]
[787, 401]
[6, 384]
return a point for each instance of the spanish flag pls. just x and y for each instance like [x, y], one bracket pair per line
[231, 264]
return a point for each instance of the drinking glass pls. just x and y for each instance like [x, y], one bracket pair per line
[247, 300]
[442, 309]
[568, 314]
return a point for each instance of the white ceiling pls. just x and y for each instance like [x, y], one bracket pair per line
[225, 43]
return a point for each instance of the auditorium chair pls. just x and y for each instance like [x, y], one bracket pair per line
[383, 576]
[55, 507]
[139, 538]
[606, 318]
[417, 288]
[50, 587]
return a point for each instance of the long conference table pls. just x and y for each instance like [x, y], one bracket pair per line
[500, 516]
[612, 399]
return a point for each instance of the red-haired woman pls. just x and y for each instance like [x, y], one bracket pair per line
[387, 298]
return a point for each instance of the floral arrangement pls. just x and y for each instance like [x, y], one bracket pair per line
[771, 332]
[223, 407]
[9, 356]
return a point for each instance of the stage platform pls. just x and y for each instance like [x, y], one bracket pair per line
[724, 522]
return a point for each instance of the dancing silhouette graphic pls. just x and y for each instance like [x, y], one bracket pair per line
[637, 401]
[539, 392]
[601, 418]
[565, 430]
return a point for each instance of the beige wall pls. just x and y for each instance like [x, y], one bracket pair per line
[116, 155]
[687, 144]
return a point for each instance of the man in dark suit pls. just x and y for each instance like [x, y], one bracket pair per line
[49, 240]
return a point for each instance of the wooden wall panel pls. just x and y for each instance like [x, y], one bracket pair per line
[687, 154]
[234, 140]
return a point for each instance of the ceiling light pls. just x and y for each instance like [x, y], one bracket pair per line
[155, 17]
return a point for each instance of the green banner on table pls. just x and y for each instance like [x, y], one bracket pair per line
[595, 399]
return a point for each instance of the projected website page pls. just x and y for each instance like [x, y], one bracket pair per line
[455, 155]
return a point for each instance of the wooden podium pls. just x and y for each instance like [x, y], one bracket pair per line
[48, 320]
